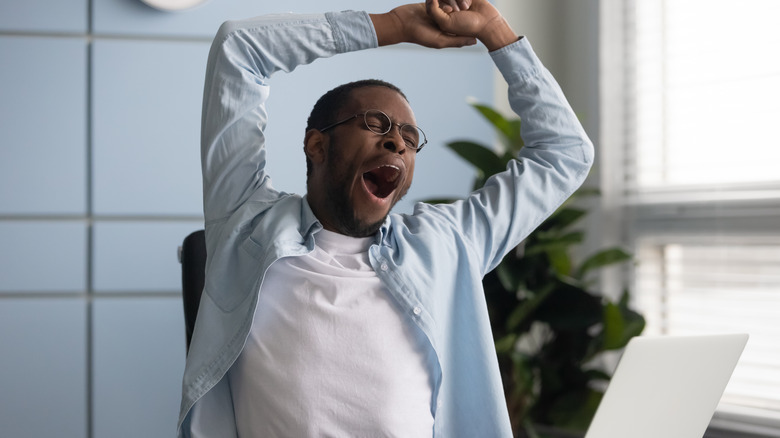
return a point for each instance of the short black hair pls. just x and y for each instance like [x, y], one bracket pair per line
[329, 104]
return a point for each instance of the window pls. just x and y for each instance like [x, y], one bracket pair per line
[691, 166]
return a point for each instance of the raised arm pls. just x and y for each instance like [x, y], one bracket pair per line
[557, 154]
[243, 57]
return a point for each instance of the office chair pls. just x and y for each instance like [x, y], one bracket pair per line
[192, 256]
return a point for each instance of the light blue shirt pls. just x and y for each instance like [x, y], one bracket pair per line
[432, 261]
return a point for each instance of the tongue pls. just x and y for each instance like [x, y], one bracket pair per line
[381, 181]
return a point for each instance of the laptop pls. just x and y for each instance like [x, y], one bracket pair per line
[667, 386]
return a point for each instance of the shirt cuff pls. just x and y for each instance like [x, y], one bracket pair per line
[517, 62]
[352, 31]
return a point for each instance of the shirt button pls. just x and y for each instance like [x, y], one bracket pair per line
[417, 310]
[383, 267]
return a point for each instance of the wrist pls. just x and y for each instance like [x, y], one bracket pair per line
[497, 34]
[387, 27]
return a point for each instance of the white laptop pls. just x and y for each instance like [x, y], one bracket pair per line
[667, 387]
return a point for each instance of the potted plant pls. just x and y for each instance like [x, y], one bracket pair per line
[549, 324]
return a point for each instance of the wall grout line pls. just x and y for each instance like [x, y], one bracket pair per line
[99, 218]
[89, 365]
[127, 294]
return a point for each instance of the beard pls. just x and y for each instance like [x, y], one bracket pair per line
[339, 191]
[348, 222]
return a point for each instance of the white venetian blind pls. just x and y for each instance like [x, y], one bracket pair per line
[702, 139]
[719, 287]
[706, 92]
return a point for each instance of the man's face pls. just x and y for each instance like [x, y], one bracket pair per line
[364, 174]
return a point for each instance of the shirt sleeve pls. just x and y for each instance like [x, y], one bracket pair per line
[243, 56]
[554, 162]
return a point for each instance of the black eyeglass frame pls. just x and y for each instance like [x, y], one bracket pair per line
[389, 127]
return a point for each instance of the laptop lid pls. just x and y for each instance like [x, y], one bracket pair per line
[667, 386]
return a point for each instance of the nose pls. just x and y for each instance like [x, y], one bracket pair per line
[394, 141]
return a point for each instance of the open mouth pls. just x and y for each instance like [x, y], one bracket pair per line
[383, 180]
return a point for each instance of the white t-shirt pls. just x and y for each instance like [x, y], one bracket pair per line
[329, 354]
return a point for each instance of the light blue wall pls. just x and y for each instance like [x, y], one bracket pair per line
[99, 177]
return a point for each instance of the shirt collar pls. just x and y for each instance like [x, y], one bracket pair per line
[311, 225]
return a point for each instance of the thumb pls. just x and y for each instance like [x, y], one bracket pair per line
[435, 11]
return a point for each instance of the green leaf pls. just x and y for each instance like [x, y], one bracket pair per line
[519, 316]
[515, 141]
[562, 218]
[614, 327]
[510, 130]
[620, 324]
[603, 258]
[484, 159]
[560, 260]
[510, 278]
[506, 344]
[548, 241]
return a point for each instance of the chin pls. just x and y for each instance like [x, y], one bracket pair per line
[351, 224]
[357, 228]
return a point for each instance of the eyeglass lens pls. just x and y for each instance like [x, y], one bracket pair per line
[379, 123]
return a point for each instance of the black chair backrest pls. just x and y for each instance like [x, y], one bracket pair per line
[193, 273]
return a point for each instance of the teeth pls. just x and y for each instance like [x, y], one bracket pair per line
[382, 180]
[392, 176]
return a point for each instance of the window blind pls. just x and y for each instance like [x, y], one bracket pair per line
[706, 93]
[704, 286]
[698, 139]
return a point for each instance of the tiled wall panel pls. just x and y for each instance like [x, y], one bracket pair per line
[43, 382]
[43, 122]
[138, 256]
[146, 127]
[43, 15]
[43, 256]
[138, 361]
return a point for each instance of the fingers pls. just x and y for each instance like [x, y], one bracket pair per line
[454, 41]
[449, 6]
[436, 10]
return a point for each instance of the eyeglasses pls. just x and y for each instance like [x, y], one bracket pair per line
[379, 123]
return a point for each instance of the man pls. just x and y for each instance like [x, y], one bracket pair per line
[325, 315]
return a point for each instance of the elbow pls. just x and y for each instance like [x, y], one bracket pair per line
[588, 153]
[225, 29]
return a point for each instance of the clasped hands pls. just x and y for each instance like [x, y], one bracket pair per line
[444, 23]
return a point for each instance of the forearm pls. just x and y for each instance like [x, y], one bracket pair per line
[549, 122]
[388, 28]
[498, 34]
[557, 155]
[553, 164]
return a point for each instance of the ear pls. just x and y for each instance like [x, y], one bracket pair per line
[315, 145]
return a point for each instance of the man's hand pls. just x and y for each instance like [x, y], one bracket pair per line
[474, 18]
[412, 24]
